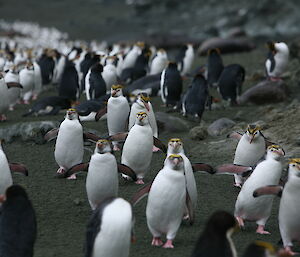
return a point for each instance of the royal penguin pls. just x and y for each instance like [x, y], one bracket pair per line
[18, 226]
[185, 59]
[214, 67]
[230, 82]
[195, 98]
[289, 207]
[137, 149]
[117, 113]
[267, 172]
[215, 240]
[69, 142]
[102, 178]
[277, 60]
[27, 81]
[175, 146]
[170, 85]
[159, 62]
[143, 104]
[250, 149]
[13, 93]
[109, 73]
[69, 83]
[48, 66]
[132, 55]
[166, 201]
[109, 230]
[95, 85]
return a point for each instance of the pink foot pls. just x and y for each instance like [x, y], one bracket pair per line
[238, 185]
[26, 102]
[261, 230]
[72, 177]
[11, 108]
[155, 149]
[139, 181]
[156, 241]
[287, 251]
[240, 221]
[116, 148]
[3, 117]
[34, 97]
[168, 244]
[60, 171]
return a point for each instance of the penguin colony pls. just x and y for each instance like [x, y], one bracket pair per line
[102, 74]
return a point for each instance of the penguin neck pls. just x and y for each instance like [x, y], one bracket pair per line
[272, 156]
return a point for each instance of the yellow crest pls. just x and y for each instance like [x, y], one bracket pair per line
[277, 147]
[252, 128]
[71, 110]
[101, 141]
[145, 97]
[141, 113]
[295, 161]
[266, 245]
[173, 140]
[114, 87]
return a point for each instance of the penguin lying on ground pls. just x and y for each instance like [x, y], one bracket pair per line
[289, 207]
[215, 240]
[277, 60]
[109, 229]
[49, 105]
[17, 224]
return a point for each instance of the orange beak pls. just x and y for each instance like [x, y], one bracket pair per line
[147, 106]
[251, 139]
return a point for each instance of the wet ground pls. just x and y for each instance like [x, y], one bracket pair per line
[62, 207]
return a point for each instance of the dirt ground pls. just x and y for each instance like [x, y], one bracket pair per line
[61, 205]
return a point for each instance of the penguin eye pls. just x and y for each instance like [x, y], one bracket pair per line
[294, 165]
[256, 133]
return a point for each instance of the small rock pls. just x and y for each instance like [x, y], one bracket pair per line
[261, 124]
[220, 126]
[77, 201]
[198, 133]
[169, 123]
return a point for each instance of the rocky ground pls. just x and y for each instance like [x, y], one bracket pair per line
[61, 205]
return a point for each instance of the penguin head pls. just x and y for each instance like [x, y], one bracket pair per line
[110, 60]
[260, 249]
[271, 46]
[220, 224]
[13, 192]
[140, 44]
[141, 118]
[97, 67]
[103, 146]
[175, 161]
[294, 167]
[29, 65]
[253, 132]
[281, 47]
[161, 52]
[143, 100]
[172, 65]
[275, 151]
[213, 51]
[116, 90]
[72, 114]
[175, 145]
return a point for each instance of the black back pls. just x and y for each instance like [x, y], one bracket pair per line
[68, 86]
[272, 60]
[173, 82]
[213, 241]
[97, 83]
[231, 81]
[17, 224]
[214, 67]
[180, 56]
[196, 96]
[47, 65]
[93, 105]
[94, 225]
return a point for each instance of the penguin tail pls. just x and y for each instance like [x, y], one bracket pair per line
[30, 112]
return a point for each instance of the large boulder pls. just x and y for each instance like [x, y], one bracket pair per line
[220, 127]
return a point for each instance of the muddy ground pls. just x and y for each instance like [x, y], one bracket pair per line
[61, 205]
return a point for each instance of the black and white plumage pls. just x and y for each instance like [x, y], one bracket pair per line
[215, 240]
[214, 67]
[17, 224]
[195, 99]
[171, 85]
[231, 81]
[109, 229]
[185, 59]
[47, 65]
